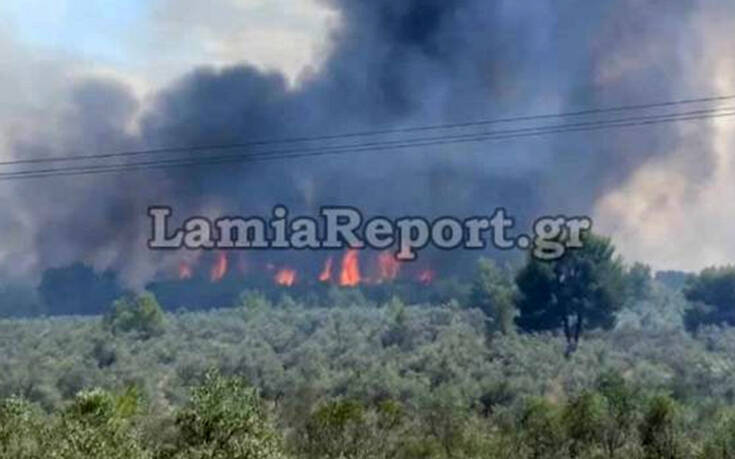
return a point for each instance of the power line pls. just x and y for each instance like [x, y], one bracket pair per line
[235, 146]
[288, 154]
[376, 146]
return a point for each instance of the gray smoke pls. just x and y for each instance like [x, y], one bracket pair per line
[392, 64]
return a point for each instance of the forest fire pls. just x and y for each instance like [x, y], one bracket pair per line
[350, 273]
[378, 268]
[388, 267]
[426, 276]
[219, 268]
[326, 274]
[185, 271]
[285, 277]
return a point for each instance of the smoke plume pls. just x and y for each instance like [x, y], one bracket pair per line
[393, 64]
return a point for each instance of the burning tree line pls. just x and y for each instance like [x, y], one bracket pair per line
[345, 270]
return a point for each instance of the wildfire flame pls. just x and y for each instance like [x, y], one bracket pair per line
[326, 274]
[350, 273]
[384, 268]
[285, 277]
[185, 271]
[388, 267]
[426, 276]
[219, 268]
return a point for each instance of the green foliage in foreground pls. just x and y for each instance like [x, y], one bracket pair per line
[390, 381]
[226, 419]
[223, 419]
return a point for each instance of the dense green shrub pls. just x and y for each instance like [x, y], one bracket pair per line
[390, 381]
[620, 412]
[542, 430]
[584, 421]
[494, 293]
[224, 419]
[659, 429]
[721, 443]
[336, 430]
[21, 430]
[712, 294]
[136, 313]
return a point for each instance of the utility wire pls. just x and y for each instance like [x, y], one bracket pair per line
[376, 146]
[468, 124]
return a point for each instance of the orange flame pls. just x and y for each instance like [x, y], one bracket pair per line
[185, 271]
[219, 268]
[388, 266]
[285, 277]
[350, 274]
[426, 276]
[326, 274]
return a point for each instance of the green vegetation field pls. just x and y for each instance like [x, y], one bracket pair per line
[472, 377]
[456, 392]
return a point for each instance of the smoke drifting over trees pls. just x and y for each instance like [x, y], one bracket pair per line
[389, 64]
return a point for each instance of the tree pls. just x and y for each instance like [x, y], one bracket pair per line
[639, 282]
[721, 443]
[621, 411]
[254, 303]
[584, 420]
[21, 430]
[398, 331]
[97, 424]
[584, 288]
[712, 297]
[674, 280]
[348, 429]
[494, 292]
[136, 313]
[19, 301]
[541, 429]
[658, 430]
[445, 416]
[336, 430]
[77, 289]
[225, 418]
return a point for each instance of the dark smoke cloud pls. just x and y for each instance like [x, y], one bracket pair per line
[391, 64]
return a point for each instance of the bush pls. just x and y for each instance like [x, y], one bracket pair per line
[136, 313]
[349, 429]
[542, 430]
[20, 429]
[224, 419]
[494, 293]
[95, 425]
[336, 430]
[621, 412]
[721, 444]
[584, 420]
[712, 294]
[658, 429]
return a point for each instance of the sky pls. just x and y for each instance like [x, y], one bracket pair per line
[665, 199]
[151, 42]
[48, 47]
